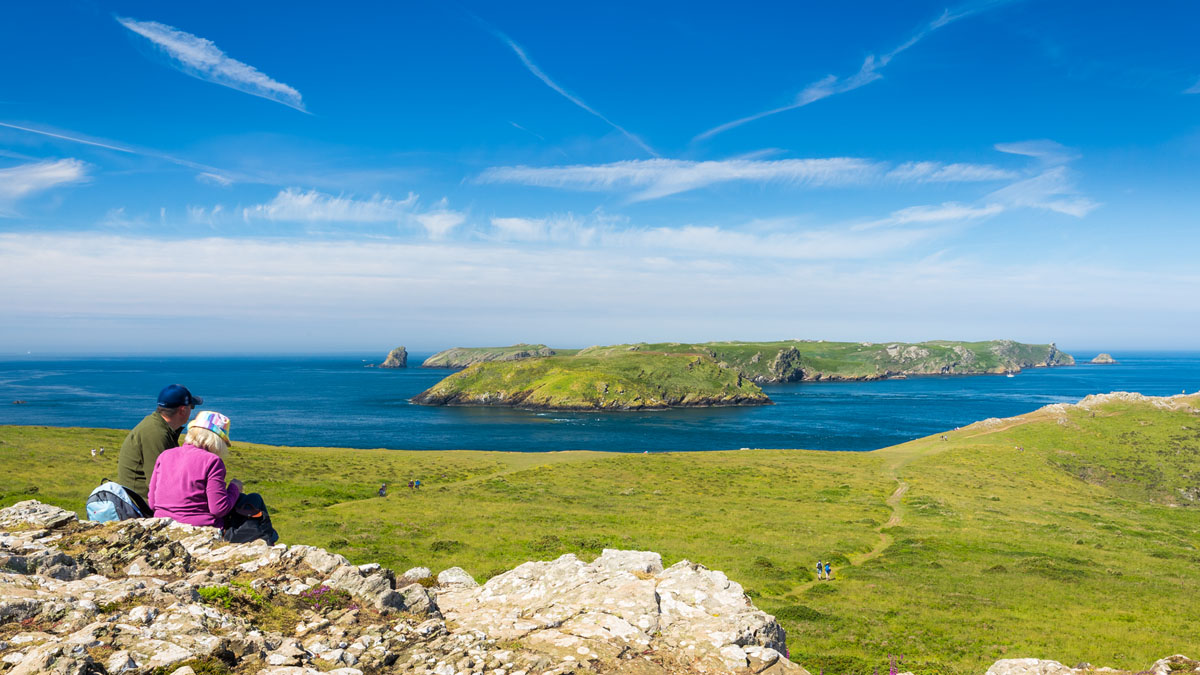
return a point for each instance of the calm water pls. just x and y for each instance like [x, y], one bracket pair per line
[335, 401]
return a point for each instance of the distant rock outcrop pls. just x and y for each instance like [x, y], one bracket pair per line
[1104, 358]
[152, 595]
[397, 358]
[1171, 665]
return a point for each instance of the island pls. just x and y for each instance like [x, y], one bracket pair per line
[818, 360]
[464, 357]
[646, 376]
[1104, 359]
[618, 381]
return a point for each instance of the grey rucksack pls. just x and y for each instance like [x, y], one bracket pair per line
[110, 502]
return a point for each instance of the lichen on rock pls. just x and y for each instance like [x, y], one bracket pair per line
[141, 595]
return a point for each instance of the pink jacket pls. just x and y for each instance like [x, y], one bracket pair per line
[188, 485]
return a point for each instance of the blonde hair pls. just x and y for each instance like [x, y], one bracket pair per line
[203, 438]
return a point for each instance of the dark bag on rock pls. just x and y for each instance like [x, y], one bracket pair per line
[249, 521]
[111, 501]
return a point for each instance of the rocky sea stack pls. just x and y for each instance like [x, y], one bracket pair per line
[1104, 358]
[397, 358]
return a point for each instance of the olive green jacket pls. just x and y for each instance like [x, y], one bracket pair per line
[141, 449]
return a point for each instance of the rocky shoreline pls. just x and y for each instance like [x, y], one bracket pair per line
[525, 401]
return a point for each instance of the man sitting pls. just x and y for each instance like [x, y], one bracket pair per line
[159, 431]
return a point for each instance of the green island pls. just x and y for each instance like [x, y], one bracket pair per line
[1070, 533]
[646, 376]
[622, 380]
[814, 360]
[463, 357]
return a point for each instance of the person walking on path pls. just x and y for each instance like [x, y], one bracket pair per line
[383, 490]
[417, 484]
[159, 431]
[828, 572]
[820, 571]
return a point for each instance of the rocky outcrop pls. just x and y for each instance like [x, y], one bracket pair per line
[397, 358]
[464, 357]
[1171, 665]
[624, 604]
[143, 595]
[1104, 359]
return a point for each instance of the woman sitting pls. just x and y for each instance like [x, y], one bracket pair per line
[188, 482]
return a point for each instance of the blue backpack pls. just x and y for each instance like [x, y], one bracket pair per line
[111, 502]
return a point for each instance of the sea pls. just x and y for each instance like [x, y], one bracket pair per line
[334, 400]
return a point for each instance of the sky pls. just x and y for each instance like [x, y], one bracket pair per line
[304, 177]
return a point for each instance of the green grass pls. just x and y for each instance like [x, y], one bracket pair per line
[792, 360]
[1082, 546]
[461, 357]
[619, 381]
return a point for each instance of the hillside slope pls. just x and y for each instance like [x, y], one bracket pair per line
[796, 360]
[1071, 533]
[619, 381]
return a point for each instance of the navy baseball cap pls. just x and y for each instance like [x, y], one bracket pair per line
[175, 395]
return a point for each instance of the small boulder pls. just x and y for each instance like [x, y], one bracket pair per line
[455, 578]
[1104, 359]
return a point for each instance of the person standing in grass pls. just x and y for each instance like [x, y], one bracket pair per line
[820, 570]
[828, 571]
[159, 431]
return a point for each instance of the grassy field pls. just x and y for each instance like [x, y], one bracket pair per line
[625, 380]
[1071, 535]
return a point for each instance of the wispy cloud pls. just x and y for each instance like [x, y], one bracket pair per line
[654, 178]
[1044, 150]
[868, 72]
[440, 222]
[203, 60]
[1194, 89]
[1051, 190]
[782, 240]
[310, 206]
[549, 82]
[206, 172]
[949, 212]
[23, 180]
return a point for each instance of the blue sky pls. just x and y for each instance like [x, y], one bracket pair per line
[301, 177]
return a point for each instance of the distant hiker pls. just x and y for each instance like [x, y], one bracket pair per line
[101, 451]
[159, 431]
[828, 571]
[383, 490]
[93, 453]
[417, 484]
[820, 570]
[944, 437]
[410, 486]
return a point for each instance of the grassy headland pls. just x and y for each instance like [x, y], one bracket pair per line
[624, 380]
[795, 360]
[1070, 533]
[462, 357]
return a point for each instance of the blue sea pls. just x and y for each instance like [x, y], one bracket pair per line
[333, 400]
